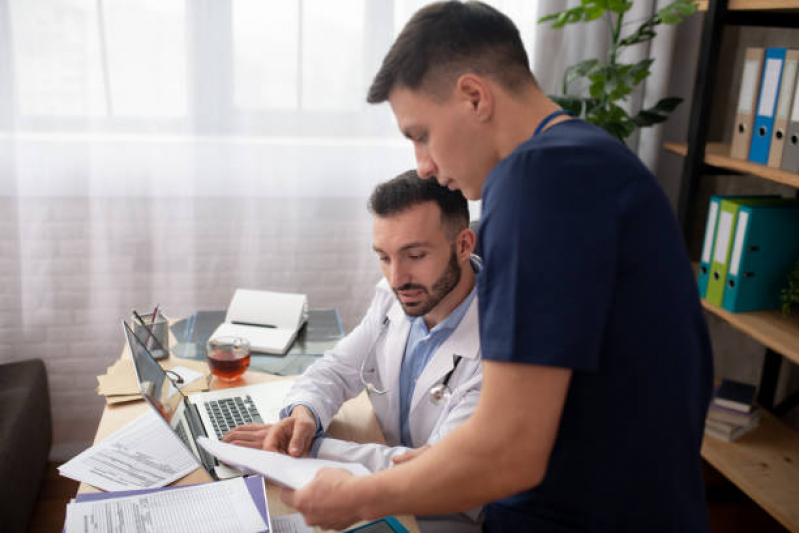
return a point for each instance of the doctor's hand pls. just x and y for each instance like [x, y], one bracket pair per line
[327, 501]
[407, 456]
[292, 436]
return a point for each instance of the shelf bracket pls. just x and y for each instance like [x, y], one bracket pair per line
[787, 405]
[768, 379]
[713, 27]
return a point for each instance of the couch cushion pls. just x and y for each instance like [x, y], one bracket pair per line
[25, 439]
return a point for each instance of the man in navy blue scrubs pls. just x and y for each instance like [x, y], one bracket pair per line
[597, 362]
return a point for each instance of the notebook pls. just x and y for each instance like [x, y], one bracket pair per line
[204, 414]
[269, 320]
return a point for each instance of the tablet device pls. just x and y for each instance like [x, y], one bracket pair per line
[384, 525]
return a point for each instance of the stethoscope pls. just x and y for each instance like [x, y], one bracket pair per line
[437, 392]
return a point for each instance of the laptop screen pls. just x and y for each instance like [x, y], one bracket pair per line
[160, 391]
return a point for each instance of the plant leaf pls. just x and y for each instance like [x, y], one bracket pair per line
[593, 13]
[646, 118]
[619, 6]
[578, 70]
[667, 105]
[640, 71]
[547, 18]
[567, 16]
[676, 12]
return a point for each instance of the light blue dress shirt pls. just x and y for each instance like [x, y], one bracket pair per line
[420, 347]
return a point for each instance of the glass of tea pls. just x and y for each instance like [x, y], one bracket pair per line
[228, 357]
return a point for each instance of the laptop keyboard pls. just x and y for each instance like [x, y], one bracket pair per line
[182, 434]
[229, 413]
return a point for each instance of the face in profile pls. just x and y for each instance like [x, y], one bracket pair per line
[449, 139]
[417, 256]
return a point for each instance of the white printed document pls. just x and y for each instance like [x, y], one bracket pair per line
[290, 523]
[144, 454]
[269, 320]
[291, 472]
[224, 506]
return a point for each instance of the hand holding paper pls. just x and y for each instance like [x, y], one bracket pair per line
[284, 470]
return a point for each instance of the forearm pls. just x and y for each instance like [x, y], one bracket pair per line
[375, 457]
[325, 386]
[424, 485]
[502, 449]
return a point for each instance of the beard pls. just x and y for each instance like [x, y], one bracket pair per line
[442, 286]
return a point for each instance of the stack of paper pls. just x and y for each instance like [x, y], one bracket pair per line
[285, 470]
[142, 455]
[234, 505]
[119, 384]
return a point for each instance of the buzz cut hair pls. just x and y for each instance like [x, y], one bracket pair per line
[408, 190]
[444, 40]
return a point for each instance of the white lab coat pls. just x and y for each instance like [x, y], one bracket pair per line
[378, 345]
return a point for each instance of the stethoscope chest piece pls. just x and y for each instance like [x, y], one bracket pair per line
[439, 392]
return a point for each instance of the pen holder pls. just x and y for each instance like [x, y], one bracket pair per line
[158, 328]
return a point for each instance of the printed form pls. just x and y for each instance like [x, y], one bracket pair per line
[142, 455]
[225, 506]
[285, 470]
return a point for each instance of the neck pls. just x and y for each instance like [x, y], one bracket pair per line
[519, 116]
[453, 299]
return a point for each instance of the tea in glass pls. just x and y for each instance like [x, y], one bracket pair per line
[228, 357]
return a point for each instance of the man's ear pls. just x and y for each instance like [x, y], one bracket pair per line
[475, 92]
[465, 243]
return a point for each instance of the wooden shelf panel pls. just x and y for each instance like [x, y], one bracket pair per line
[765, 465]
[766, 327]
[756, 5]
[718, 155]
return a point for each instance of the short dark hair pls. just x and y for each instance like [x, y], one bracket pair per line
[446, 39]
[408, 189]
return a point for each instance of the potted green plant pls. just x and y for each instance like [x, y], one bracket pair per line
[611, 82]
[790, 294]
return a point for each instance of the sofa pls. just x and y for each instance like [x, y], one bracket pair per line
[25, 439]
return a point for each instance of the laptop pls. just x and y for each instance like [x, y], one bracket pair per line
[204, 414]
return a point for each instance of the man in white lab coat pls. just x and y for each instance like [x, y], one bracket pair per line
[416, 352]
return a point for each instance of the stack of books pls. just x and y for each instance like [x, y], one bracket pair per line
[732, 413]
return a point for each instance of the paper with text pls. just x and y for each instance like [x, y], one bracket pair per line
[144, 454]
[292, 472]
[225, 506]
[187, 374]
[290, 523]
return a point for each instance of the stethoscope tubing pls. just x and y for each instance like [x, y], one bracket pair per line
[437, 392]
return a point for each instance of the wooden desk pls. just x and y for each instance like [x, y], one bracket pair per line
[355, 421]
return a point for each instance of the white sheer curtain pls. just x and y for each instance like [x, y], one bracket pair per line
[169, 151]
[168, 95]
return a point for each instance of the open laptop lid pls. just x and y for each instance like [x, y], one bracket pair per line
[166, 399]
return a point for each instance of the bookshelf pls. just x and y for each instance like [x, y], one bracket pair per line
[764, 463]
[766, 327]
[718, 155]
[756, 5]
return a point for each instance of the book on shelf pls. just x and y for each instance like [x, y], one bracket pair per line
[747, 101]
[729, 432]
[766, 246]
[735, 395]
[731, 416]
